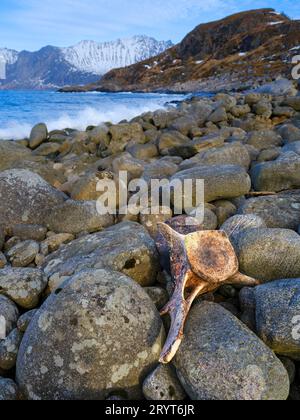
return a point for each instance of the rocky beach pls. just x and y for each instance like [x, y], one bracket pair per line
[80, 292]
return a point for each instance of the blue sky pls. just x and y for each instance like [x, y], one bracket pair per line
[31, 24]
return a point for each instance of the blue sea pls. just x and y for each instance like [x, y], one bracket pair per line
[21, 110]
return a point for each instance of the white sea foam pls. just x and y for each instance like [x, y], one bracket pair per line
[79, 119]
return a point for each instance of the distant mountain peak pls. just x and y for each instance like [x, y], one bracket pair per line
[99, 58]
[54, 67]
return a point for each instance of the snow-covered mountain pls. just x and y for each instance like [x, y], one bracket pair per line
[8, 56]
[53, 67]
[93, 57]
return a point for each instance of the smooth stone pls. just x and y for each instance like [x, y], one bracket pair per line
[26, 198]
[269, 254]
[23, 285]
[99, 335]
[126, 247]
[23, 254]
[221, 359]
[29, 232]
[278, 211]
[75, 217]
[264, 139]
[38, 135]
[220, 181]
[279, 175]
[278, 316]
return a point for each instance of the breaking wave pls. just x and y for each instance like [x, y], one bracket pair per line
[78, 119]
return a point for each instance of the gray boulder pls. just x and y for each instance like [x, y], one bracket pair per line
[126, 247]
[229, 154]
[278, 316]
[221, 181]
[25, 198]
[264, 139]
[75, 217]
[269, 254]
[23, 285]
[38, 135]
[279, 175]
[11, 152]
[23, 254]
[278, 211]
[100, 335]
[240, 223]
[221, 359]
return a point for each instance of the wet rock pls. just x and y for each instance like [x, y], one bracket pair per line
[101, 334]
[279, 175]
[8, 390]
[277, 316]
[163, 385]
[29, 232]
[278, 211]
[23, 285]
[25, 198]
[23, 254]
[75, 217]
[209, 369]
[221, 181]
[9, 313]
[38, 135]
[126, 247]
[9, 350]
[269, 254]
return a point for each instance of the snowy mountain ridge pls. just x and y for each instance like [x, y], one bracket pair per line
[99, 58]
[53, 67]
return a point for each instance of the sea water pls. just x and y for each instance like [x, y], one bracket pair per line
[21, 110]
